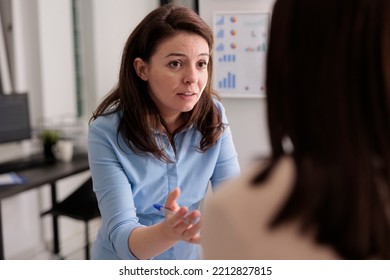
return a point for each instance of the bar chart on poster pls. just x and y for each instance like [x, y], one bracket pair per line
[241, 40]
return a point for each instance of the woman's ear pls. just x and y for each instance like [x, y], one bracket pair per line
[140, 68]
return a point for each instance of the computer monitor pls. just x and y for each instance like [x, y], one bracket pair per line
[14, 118]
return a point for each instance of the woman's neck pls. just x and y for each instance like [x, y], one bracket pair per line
[172, 123]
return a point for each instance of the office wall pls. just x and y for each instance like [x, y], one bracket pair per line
[111, 24]
[57, 57]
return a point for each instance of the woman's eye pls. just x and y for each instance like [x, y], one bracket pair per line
[175, 64]
[202, 64]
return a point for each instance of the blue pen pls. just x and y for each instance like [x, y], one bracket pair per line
[166, 210]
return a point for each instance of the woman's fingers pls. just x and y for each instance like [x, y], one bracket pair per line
[192, 233]
[185, 225]
[171, 202]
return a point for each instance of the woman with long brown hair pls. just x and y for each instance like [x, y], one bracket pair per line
[160, 137]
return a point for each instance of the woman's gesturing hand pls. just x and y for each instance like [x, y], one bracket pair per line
[181, 224]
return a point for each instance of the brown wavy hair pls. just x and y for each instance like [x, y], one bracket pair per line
[139, 115]
[328, 91]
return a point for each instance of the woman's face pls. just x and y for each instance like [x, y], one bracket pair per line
[176, 73]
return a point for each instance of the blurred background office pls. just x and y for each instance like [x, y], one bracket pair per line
[65, 54]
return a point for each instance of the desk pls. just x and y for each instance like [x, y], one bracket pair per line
[39, 176]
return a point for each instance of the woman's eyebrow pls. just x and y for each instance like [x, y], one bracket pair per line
[181, 54]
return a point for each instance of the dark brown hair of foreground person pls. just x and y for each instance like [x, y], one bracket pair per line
[139, 114]
[328, 87]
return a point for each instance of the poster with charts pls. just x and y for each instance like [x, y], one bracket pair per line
[240, 53]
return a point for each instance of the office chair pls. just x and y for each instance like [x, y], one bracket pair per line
[80, 205]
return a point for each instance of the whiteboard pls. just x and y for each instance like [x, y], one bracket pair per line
[241, 43]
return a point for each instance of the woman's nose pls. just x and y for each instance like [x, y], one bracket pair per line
[191, 75]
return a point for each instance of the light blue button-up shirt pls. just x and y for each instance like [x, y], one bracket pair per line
[128, 184]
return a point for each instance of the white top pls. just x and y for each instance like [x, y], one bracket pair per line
[236, 218]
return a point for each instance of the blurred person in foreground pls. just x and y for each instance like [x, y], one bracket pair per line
[325, 191]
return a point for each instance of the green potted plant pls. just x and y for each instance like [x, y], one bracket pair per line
[49, 139]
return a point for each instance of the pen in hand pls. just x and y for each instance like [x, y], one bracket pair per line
[166, 210]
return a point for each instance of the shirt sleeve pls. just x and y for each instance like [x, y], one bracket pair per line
[227, 166]
[113, 191]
